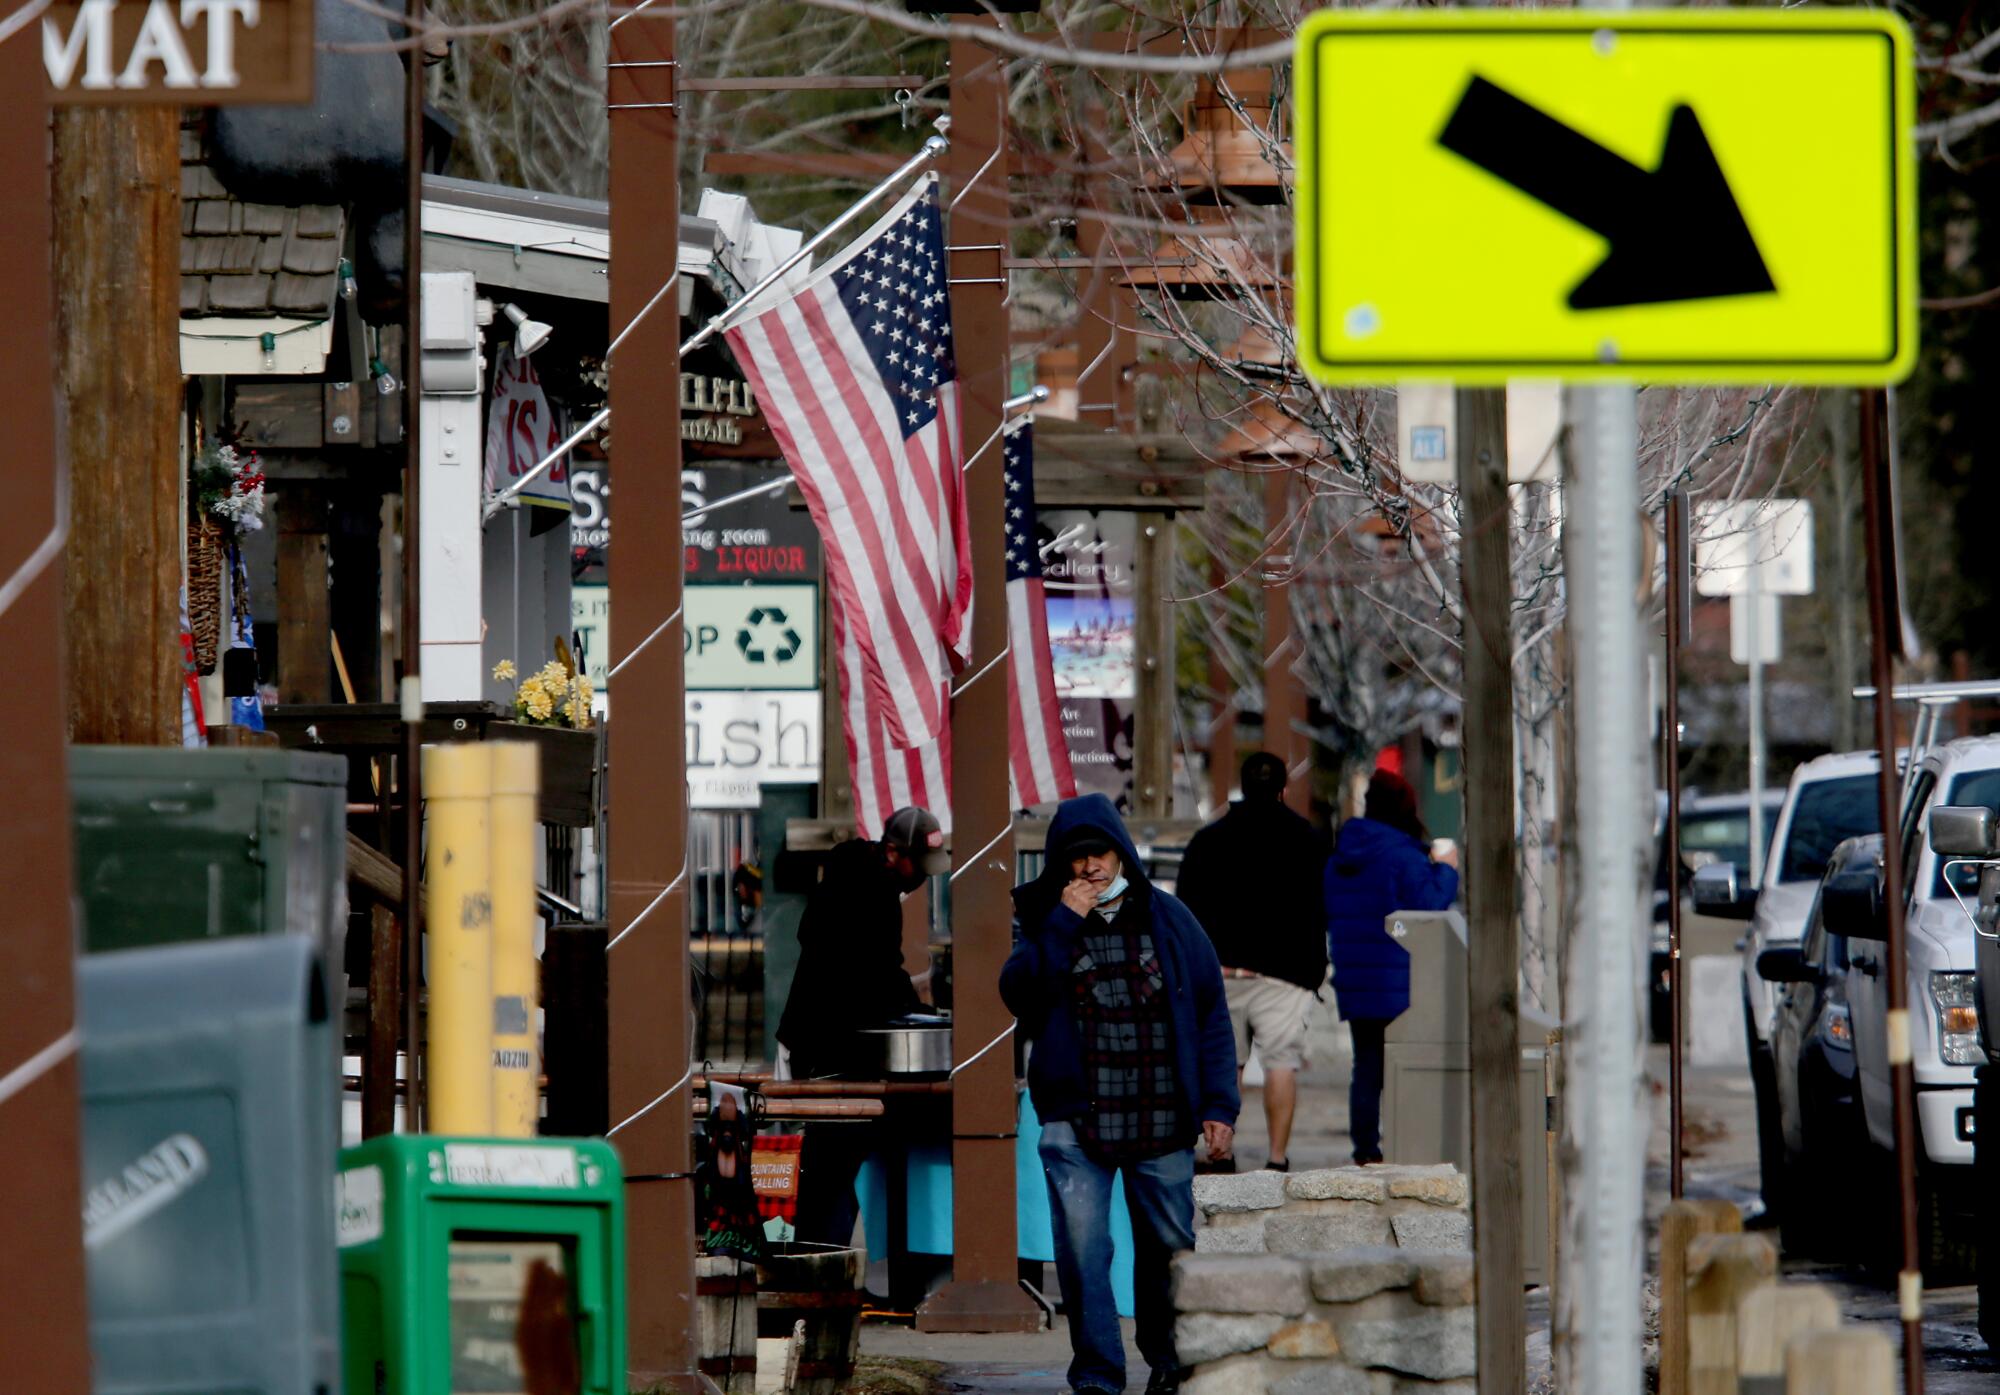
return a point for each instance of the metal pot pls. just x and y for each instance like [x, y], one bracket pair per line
[913, 1045]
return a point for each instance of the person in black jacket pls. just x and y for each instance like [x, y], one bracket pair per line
[1252, 878]
[851, 976]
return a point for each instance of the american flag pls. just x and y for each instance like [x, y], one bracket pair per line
[1037, 752]
[856, 374]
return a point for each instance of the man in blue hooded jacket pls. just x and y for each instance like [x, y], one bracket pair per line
[1119, 992]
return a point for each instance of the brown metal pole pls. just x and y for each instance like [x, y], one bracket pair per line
[651, 1012]
[1492, 900]
[1676, 539]
[42, 1302]
[412, 685]
[984, 1294]
[1885, 630]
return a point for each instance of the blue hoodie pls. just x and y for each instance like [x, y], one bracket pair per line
[1376, 869]
[1037, 987]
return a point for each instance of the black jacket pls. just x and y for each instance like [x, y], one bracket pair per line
[1252, 878]
[850, 972]
[1037, 985]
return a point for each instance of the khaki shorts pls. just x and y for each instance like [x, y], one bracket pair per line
[1270, 1014]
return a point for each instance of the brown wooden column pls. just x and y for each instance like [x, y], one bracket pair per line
[42, 1303]
[1284, 695]
[984, 1294]
[1493, 941]
[305, 613]
[117, 237]
[650, 1008]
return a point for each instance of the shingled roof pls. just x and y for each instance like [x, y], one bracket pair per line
[244, 260]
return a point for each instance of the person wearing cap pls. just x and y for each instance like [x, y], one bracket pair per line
[1131, 1061]
[1272, 943]
[1381, 863]
[850, 977]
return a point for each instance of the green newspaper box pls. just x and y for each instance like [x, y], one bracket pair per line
[481, 1266]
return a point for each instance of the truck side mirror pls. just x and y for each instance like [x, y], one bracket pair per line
[1718, 891]
[1962, 832]
[1785, 964]
[1851, 905]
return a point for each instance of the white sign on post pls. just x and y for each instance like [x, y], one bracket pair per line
[1425, 415]
[1753, 628]
[1771, 537]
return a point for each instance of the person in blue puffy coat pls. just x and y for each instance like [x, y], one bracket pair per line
[1381, 863]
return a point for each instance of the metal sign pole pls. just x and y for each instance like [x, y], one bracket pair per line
[1670, 743]
[1605, 1122]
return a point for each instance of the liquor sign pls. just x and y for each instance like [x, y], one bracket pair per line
[185, 52]
[760, 539]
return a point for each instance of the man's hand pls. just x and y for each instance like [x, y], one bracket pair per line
[1220, 1138]
[1080, 896]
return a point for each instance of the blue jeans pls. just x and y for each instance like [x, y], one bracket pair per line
[1364, 1088]
[1159, 1194]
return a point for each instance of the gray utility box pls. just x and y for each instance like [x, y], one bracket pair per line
[209, 1138]
[1426, 1088]
[178, 845]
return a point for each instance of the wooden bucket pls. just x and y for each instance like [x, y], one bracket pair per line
[819, 1285]
[725, 1301]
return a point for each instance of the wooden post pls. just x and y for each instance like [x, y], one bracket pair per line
[1493, 942]
[984, 1294]
[652, 1120]
[1851, 1361]
[1153, 733]
[305, 610]
[1284, 696]
[1726, 1269]
[1768, 1320]
[1684, 1223]
[117, 236]
[42, 1300]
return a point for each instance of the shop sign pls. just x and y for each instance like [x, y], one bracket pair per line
[738, 742]
[1089, 580]
[590, 622]
[761, 539]
[720, 419]
[751, 636]
[187, 52]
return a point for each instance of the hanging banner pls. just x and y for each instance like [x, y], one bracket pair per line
[521, 429]
[1089, 578]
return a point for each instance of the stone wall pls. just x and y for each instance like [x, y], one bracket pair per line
[1341, 1281]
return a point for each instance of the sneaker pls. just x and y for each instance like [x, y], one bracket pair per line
[1367, 1159]
[1165, 1380]
[1282, 1165]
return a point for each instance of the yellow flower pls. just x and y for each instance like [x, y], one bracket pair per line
[538, 704]
[577, 712]
[555, 678]
[504, 670]
[531, 685]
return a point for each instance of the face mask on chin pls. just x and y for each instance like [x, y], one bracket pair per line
[1113, 891]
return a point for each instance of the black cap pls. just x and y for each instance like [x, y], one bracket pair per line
[1086, 842]
[916, 831]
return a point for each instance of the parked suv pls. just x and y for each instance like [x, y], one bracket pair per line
[1830, 799]
[1714, 828]
[1946, 1037]
[1812, 1051]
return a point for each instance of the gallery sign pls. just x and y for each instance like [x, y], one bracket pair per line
[183, 52]
[1089, 579]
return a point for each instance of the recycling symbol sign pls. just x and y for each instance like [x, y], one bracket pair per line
[760, 636]
[767, 636]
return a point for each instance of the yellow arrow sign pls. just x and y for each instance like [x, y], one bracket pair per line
[1720, 196]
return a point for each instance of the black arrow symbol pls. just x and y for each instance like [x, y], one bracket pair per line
[1676, 232]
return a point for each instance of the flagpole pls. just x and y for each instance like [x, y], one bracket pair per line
[932, 149]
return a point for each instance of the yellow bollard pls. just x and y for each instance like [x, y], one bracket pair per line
[516, 1063]
[458, 915]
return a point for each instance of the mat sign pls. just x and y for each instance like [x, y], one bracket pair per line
[189, 52]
